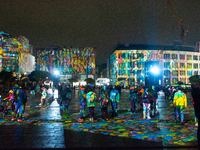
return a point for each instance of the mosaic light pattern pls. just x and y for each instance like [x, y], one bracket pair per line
[158, 129]
[67, 61]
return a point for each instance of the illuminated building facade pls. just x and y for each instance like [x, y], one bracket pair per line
[176, 63]
[76, 63]
[14, 54]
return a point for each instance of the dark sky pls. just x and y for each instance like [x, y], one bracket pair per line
[99, 23]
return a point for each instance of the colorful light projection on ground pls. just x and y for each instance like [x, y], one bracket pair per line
[68, 61]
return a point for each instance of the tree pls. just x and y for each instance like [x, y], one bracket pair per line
[6, 76]
[39, 75]
[195, 79]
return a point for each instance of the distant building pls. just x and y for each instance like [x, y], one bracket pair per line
[76, 63]
[132, 64]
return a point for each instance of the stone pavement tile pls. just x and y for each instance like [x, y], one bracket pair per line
[59, 146]
[46, 145]
[56, 141]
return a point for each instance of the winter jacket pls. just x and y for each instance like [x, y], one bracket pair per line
[145, 97]
[180, 99]
[20, 96]
[82, 96]
[133, 95]
[91, 98]
[114, 96]
[104, 99]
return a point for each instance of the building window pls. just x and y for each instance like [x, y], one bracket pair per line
[182, 65]
[166, 56]
[182, 57]
[182, 72]
[189, 66]
[195, 72]
[189, 72]
[167, 72]
[167, 80]
[195, 66]
[174, 73]
[195, 57]
[175, 81]
[174, 56]
[189, 57]
[166, 64]
[175, 65]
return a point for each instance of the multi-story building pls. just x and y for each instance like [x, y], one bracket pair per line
[132, 64]
[15, 54]
[70, 62]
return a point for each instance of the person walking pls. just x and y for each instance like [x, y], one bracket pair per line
[180, 102]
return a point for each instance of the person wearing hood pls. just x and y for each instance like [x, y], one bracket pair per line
[180, 102]
[91, 103]
[114, 98]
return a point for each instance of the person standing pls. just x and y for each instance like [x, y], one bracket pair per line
[21, 99]
[82, 96]
[67, 100]
[104, 103]
[91, 103]
[43, 96]
[114, 98]
[196, 101]
[133, 97]
[146, 104]
[180, 102]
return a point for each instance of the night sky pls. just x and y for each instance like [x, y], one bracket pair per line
[99, 23]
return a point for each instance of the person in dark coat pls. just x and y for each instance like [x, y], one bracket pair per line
[196, 100]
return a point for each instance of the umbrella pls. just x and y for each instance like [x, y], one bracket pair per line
[25, 79]
[90, 80]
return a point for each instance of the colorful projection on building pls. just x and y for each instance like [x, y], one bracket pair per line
[176, 65]
[12, 53]
[67, 61]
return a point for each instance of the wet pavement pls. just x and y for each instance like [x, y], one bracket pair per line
[45, 127]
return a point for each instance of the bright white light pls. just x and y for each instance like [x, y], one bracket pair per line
[154, 70]
[56, 72]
